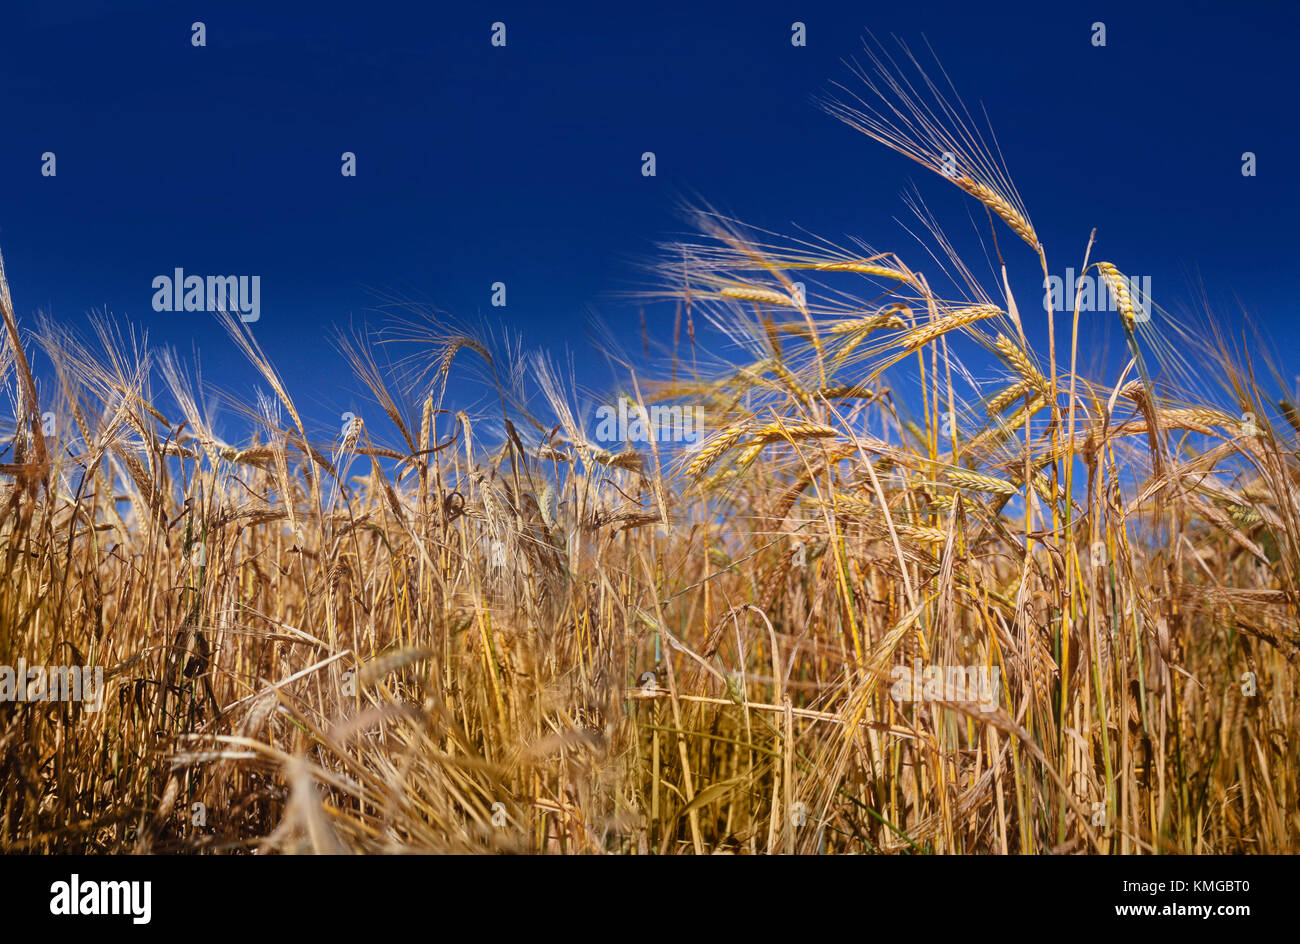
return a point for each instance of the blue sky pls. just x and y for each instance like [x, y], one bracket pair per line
[522, 164]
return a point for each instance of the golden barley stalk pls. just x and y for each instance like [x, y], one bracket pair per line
[351, 437]
[1005, 398]
[1041, 665]
[1003, 428]
[864, 268]
[964, 478]
[1043, 487]
[999, 205]
[784, 375]
[547, 503]
[715, 447]
[389, 662]
[140, 475]
[849, 504]
[794, 430]
[255, 454]
[1196, 417]
[1017, 419]
[922, 533]
[381, 452]
[755, 293]
[1244, 515]
[855, 341]
[1289, 413]
[749, 453]
[1118, 286]
[958, 319]
[426, 424]
[870, 323]
[878, 659]
[1021, 364]
[847, 392]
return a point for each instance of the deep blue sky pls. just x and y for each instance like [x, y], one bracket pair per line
[478, 164]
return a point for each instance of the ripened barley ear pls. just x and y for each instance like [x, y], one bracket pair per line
[1004, 398]
[1021, 364]
[926, 333]
[795, 430]
[1118, 287]
[715, 447]
[755, 293]
[1043, 489]
[867, 324]
[999, 205]
[1195, 418]
[1044, 667]
[922, 533]
[789, 379]
[963, 478]
[864, 268]
[1290, 414]
[749, 454]
[851, 504]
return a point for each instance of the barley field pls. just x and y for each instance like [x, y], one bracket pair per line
[918, 585]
